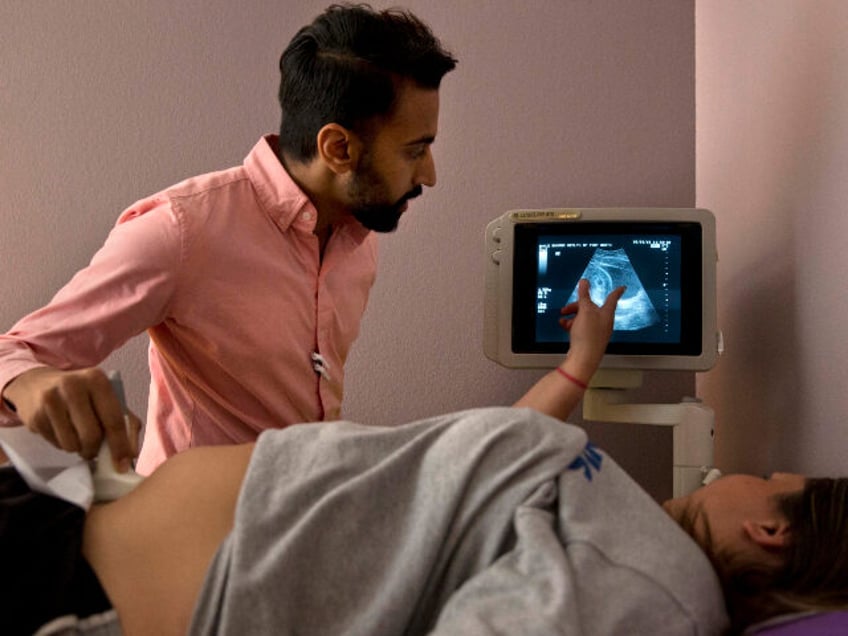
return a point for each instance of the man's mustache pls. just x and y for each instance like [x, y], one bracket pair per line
[415, 192]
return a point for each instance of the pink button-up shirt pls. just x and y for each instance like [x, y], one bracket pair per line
[224, 273]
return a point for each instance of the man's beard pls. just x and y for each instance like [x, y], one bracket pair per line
[366, 190]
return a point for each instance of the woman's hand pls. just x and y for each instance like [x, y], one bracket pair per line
[558, 392]
[590, 327]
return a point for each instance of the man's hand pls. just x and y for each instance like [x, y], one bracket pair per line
[73, 410]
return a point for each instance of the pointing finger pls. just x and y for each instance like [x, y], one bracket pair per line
[614, 296]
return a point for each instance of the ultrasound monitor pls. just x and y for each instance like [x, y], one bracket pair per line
[666, 257]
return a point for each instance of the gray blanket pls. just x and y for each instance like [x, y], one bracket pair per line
[489, 521]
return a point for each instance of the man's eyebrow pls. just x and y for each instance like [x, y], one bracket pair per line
[425, 139]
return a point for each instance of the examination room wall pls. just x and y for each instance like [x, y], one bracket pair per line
[772, 162]
[554, 103]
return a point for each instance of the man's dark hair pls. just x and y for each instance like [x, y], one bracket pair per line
[345, 67]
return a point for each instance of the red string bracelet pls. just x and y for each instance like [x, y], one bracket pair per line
[571, 378]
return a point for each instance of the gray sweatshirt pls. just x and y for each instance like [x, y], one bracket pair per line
[488, 521]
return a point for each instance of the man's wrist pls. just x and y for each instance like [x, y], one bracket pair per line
[6, 401]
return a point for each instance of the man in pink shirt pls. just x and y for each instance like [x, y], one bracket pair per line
[251, 282]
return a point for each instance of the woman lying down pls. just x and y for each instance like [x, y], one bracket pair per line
[488, 521]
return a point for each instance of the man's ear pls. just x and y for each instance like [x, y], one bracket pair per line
[772, 535]
[338, 147]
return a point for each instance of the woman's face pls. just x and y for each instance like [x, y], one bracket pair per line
[720, 516]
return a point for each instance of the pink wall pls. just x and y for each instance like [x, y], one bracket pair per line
[772, 163]
[554, 103]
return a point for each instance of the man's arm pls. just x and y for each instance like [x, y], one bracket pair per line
[47, 360]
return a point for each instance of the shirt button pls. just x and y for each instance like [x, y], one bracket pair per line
[307, 216]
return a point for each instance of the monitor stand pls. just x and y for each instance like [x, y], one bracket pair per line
[692, 424]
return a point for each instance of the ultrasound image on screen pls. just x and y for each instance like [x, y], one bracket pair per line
[609, 269]
[647, 265]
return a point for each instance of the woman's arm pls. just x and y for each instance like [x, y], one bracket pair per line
[590, 326]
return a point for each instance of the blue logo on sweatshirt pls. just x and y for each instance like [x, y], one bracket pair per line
[589, 461]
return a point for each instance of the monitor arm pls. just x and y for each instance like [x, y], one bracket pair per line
[692, 425]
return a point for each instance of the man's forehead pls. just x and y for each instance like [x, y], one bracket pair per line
[415, 117]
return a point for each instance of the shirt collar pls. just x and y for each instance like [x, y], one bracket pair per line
[281, 197]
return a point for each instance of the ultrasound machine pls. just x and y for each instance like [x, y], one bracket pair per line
[666, 320]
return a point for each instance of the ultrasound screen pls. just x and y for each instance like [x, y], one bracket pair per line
[658, 263]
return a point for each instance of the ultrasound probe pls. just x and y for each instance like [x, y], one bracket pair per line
[109, 484]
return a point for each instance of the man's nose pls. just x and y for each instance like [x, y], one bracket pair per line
[427, 172]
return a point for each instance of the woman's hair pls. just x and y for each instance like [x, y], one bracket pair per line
[813, 574]
[345, 68]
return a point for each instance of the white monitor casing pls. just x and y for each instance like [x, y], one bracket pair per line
[500, 255]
